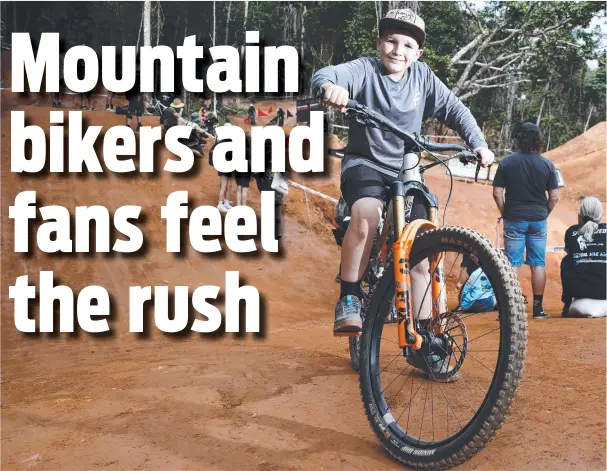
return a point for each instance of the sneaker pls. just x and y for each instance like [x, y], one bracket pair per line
[227, 204]
[540, 314]
[222, 208]
[347, 316]
[565, 312]
[60, 105]
[435, 368]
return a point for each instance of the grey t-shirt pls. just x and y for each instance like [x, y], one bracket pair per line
[417, 95]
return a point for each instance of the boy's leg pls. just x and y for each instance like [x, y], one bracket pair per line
[359, 238]
[245, 194]
[363, 189]
[238, 193]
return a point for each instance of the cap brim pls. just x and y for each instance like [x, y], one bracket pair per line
[390, 23]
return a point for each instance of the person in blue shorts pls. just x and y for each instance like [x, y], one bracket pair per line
[531, 190]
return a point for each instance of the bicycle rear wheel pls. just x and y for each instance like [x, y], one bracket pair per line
[430, 416]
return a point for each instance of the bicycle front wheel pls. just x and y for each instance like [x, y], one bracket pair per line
[438, 407]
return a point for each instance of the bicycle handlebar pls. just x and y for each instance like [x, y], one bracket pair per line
[419, 141]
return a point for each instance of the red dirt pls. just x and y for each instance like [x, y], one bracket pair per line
[582, 161]
[287, 401]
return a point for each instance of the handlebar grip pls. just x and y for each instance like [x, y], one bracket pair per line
[352, 104]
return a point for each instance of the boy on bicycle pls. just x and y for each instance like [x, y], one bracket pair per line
[404, 90]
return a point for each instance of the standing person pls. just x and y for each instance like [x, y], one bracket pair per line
[135, 106]
[225, 183]
[243, 179]
[252, 114]
[404, 90]
[583, 268]
[526, 176]
[280, 114]
[264, 183]
[109, 101]
[56, 96]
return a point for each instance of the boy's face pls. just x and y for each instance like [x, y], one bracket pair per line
[398, 51]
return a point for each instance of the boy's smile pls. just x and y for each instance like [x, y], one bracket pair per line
[397, 52]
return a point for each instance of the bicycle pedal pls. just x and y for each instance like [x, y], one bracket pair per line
[347, 334]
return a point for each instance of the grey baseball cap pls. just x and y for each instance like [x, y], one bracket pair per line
[406, 20]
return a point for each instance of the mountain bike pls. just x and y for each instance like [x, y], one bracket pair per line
[438, 383]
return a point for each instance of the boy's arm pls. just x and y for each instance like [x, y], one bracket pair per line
[442, 104]
[350, 75]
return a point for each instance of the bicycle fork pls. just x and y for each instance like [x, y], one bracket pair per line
[407, 334]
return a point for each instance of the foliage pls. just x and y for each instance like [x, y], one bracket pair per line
[551, 46]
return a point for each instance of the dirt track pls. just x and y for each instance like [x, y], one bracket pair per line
[285, 401]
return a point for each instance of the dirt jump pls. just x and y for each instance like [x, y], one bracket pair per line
[287, 399]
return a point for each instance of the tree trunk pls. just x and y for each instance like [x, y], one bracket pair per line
[244, 27]
[509, 110]
[588, 120]
[158, 23]
[246, 14]
[302, 33]
[140, 28]
[228, 22]
[147, 23]
[539, 115]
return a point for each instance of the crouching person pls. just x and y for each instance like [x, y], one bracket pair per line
[476, 293]
[583, 268]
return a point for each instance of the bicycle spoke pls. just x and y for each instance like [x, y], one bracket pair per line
[423, 414]
[480, 336]
[433, 378]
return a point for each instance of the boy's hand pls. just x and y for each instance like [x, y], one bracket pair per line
[487, 157]
[335, 96]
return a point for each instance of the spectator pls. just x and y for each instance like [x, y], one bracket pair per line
[280, 114]
[243, 179]
[135, 106]
[211, 123]
[56, 97]
[526, 176]
[109, 101]
[583, 268]
[225, 182]
[476, 293]
[264, 183]
[170, 117]
[196, 140]
[252, 114]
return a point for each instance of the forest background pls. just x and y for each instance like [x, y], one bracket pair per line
[509, 62]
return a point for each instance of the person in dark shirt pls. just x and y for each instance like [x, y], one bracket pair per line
[583, 268]
[252, 114]
[527, 176]
[135, 107]
[280, 114]
[170, 116]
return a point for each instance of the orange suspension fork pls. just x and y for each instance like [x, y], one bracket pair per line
[407, 335]
[439, 291]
